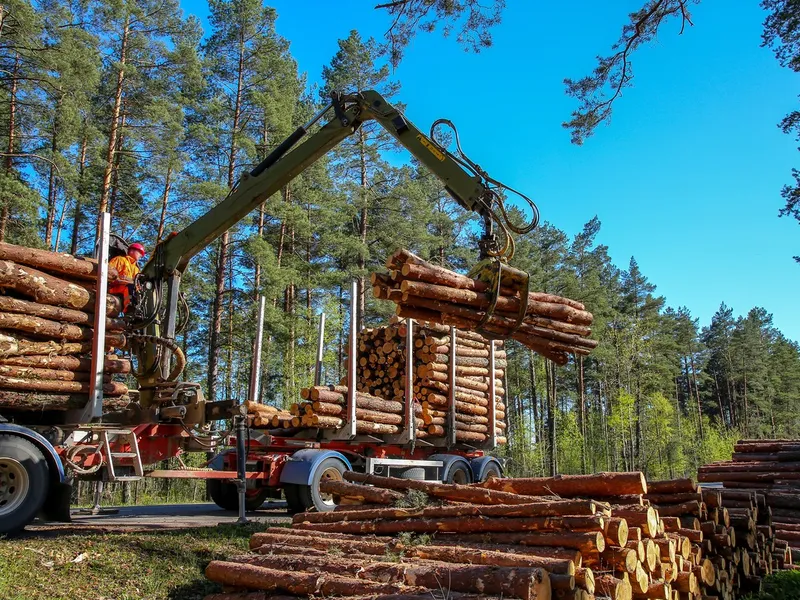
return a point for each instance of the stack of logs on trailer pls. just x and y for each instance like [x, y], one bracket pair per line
[763, 479]
[608, 535]
[47, 304]
[381, 387]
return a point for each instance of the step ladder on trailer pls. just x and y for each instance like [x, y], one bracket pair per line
[111, 438]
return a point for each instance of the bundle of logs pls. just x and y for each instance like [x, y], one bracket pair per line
[47, 302]
[552, 325]
[763, 479]
[608, 535]
[381, 371]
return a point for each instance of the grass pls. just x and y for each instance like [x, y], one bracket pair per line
[120, 566]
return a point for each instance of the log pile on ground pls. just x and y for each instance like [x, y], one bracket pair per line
[553, 326]
[762, 482]
[47, 302]
[608, 535]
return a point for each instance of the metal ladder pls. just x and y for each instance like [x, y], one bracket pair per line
[121, 437]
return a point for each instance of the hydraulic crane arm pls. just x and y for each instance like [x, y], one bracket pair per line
[470, 186]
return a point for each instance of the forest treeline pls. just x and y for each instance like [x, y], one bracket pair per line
[130, 107]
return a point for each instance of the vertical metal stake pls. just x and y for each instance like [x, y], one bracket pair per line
[451, 379]
[94, 408]
[410, 429]
[320, 350]
[241, 467]
[352, 355]
[255, 373]
[492, 399]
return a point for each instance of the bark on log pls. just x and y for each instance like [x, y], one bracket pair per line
[584, 542]
[37, 374]
[600, 485]
[515, 582]
[57, 262]
[645, 518]
[364, 493]
[26, 401]
[540, 509]
[261, 578]
[614, 588]
[47, 289]
[11, 383]
[461, 525]
[55, 313]
[460, 493]
[45, 327]
[112, 363]
[671, 486]
[14, 345]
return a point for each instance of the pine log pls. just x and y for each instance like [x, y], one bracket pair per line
[657, 590]
[55, 313]
[33, 385]
[477, 524]
[45, 327]
[262, 578]
[459, 493]
[671, 486]
[645, 518]
[515, 582]
[56, 262]
[325, 541]
[616, 532]
[14, 345]
[364, 493]
[621, 559]
[540, 509]
[585, 542]
[460, 554]
[112, 363]
[677, 510]
[51, 374]
[614, 588]
[47, 289]
[599, 485]
[26, 401]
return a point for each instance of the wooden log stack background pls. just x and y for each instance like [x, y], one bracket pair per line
[763, 481]
[47, 304]
[608, 535]
[553, 326]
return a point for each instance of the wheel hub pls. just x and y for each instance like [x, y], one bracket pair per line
[330, 474]
[14, 484]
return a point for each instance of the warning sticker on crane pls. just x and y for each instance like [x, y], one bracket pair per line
[431, 146]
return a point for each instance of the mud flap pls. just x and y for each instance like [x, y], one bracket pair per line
[56, 506]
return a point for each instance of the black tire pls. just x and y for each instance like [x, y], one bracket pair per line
[491, 470]
[310, 496]
[293, 503]
[226, 496]
[460, 473]
[417, 473]
[24, 483]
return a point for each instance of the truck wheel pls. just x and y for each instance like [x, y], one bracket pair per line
[309, 495]
[24, 482]
[459, 473]
[226, 496]
[293, 503]
[492, 470]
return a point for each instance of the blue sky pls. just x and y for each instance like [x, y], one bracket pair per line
[687, 176]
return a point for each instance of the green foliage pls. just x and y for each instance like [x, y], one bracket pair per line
[782, 585]
[413, 499]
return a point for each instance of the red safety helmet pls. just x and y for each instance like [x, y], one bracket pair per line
[137, 246]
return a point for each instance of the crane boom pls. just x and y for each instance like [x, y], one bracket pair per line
[463, 180]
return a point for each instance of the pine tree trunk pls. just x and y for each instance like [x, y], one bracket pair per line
[534, 399]
[105, 190]
[117, 160]
[222, 255]
[162, 221]
[697, 396]
[12, 125]
[51, 183]
[362, 295]
[582, 411]
[76, 219]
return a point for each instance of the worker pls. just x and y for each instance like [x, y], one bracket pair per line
[127, 269]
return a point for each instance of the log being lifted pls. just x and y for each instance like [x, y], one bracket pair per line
[599, 485]
[111, 388]
[56, 262]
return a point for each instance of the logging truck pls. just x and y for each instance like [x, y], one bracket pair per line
[42, 450]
